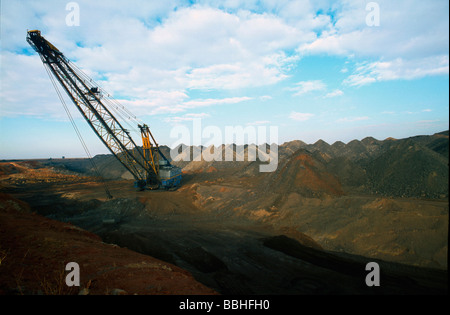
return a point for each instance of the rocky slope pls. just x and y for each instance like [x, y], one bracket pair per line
[34, 251]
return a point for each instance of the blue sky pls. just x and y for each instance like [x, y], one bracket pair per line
[315, 69]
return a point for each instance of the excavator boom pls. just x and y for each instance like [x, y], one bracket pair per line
[144, 163]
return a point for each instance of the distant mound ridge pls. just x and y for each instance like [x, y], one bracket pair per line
[306, 174]
[409, 167]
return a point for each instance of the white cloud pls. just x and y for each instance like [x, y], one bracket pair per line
[358, 80]
[205, 48]
[411, 41]
[197, 47]
[304, 87]
[152, 67]
[234, 76]
[398, 69]
[407, 29]
[26, 88]
[156, 102]
[300, 116]
[151, 54]
[163, 102]
[334, 93]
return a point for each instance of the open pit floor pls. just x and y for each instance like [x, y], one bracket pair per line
[224, 251]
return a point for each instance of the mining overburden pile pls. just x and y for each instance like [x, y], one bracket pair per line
[409, 169]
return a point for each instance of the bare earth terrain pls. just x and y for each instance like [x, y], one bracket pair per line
[308, 228]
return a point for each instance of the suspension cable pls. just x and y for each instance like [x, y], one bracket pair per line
[120, 110]
[94, 165]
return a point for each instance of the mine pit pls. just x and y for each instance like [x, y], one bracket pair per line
[229, 232]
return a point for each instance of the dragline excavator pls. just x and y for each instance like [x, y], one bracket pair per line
[150, 168]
